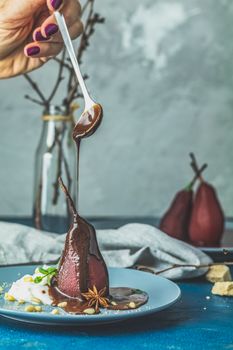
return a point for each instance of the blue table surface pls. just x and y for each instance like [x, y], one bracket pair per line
[194, 322]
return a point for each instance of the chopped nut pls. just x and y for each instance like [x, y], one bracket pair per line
[218, 273]
[28, 279]
[55, 312]
[36, 300]
[38, 308]
[89, 311]
[132, 305]
[30, 308]
[63, 304]
[9, 297]
[223, 288]
[21, 301]
[113, 303]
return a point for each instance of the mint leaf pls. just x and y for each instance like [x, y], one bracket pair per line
[38, 279]
[52, 270]
[43, 271]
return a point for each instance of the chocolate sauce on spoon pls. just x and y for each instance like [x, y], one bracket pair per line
[88, 122]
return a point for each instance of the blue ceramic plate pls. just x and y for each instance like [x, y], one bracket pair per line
[162, 293]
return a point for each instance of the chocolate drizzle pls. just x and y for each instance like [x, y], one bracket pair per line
[82, 267]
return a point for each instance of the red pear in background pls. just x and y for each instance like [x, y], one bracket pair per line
[175, 221]
[207, 219]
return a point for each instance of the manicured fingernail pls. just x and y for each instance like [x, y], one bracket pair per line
[51, 29]
[33, 50]
[56, 3]
[39, 36]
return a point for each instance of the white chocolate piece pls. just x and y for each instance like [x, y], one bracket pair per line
[223, 288]
[218, 273]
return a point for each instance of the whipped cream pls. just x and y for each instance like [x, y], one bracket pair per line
[25, 289]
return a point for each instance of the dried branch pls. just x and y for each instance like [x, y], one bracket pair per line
[59, 61]
[34, 100]
[175, 266]
[36, 89]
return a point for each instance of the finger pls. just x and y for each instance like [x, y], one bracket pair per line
[38, 49]
[54, 5]
[71, 11]
[37, 35]
[75, 30]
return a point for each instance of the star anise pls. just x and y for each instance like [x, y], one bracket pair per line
[96, 298]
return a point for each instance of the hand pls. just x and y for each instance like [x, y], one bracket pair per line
[29, 34]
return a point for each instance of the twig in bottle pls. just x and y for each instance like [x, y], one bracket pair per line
[34, 100]
[36, 89]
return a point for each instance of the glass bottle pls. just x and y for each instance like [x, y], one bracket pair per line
[55, 157]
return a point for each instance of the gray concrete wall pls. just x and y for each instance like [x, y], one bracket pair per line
[163, 71]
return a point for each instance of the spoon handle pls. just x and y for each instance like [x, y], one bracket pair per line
[69, 46]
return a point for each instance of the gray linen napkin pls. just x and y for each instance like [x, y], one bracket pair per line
[130, 245]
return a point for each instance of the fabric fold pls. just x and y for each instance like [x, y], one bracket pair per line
[128, 246]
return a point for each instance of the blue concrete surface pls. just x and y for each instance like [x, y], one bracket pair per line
[193, 323]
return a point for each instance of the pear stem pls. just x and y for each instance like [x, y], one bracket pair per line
[194, 166]
[197, 176]
[68, 196]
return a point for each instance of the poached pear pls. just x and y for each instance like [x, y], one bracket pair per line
[81, 265]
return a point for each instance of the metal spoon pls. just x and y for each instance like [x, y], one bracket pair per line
[93, 113]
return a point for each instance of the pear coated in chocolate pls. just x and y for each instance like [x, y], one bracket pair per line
[207, 219]
[81, 265]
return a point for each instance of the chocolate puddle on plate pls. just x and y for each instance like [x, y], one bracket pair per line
[121, 298]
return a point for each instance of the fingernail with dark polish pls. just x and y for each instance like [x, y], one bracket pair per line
[33, 50]
[56, 3]
[39, 36]
[51, 29]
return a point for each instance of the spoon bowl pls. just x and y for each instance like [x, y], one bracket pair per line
[89, 122]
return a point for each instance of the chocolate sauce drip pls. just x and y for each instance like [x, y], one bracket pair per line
[73, 266]
[82, 266]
